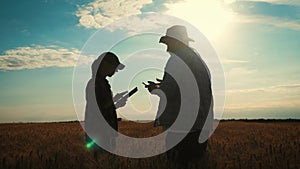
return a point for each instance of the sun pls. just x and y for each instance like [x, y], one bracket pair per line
[210, 17]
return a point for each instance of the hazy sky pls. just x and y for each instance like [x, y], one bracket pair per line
[257, 42]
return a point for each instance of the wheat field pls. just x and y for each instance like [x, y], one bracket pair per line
[235, 144]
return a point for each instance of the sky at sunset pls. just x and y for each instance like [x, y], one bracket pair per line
[257, 43]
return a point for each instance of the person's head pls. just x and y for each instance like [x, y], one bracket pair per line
[106, 65]
[173, 35]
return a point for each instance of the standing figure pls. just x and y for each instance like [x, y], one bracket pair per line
[189, 150]
[100, 102]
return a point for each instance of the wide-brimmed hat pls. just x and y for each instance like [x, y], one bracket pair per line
[178, 32]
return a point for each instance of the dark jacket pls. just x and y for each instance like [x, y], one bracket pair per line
[105, 102]
[172, 92]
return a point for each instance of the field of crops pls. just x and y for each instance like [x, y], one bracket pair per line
[235, 144]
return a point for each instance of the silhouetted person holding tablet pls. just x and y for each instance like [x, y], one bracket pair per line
[100, 101]
[189, 150]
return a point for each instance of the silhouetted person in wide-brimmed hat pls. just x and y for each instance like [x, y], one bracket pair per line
[188, 150]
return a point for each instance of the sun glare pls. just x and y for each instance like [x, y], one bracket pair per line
[210, 17]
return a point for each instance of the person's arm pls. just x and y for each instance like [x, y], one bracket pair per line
[151, 86]
[120, 99]
[104, 98]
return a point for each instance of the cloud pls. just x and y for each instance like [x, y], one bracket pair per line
[283, 2]
[280, 14]
[232, 61]
[276, 88]
[277, 96]
[274, 21]
[263, 104]
[160, 55]
[100, 13]
[210, 17]
[240, 72]
[150, 22]
[37, 56]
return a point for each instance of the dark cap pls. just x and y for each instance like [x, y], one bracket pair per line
[112, 59]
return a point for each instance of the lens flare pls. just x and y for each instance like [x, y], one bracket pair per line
[90, 144]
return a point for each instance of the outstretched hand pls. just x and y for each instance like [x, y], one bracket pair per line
[151, 86]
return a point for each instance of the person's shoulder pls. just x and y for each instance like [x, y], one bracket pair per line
[188, 51]
[91, 82]
[192, 51]
[103, 84]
